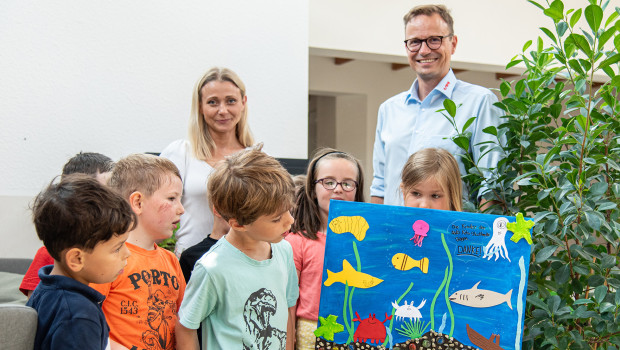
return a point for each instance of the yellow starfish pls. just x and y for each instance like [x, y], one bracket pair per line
[520, 229]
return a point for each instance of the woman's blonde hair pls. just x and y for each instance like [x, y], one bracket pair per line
[199, 136]
[435, 163]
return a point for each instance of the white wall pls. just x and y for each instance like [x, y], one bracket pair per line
[115, 77]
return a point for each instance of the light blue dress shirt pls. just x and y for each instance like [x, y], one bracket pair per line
[405, 125]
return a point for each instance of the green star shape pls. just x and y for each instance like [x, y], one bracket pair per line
[520, 229]
[329, 327]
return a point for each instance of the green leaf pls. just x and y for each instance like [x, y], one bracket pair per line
[610, 60]
[599, 293]
[607, 206]
[562, 275]
[593, 220]
[583, 301]
[462, 142]
[606, 307]
[536, 4]
[450, 107]
[513, 63]
[519, 88]
[608, 261]
[617, 298]
[575, 18]
[611, 18]
[549, 34]
[608, 34]
[561, 29]
[596, 280]
[582, 43]
[468, 123]
[545, 253]
[556, 11]
[615, 81]
[504, 88]
[490, 130]
[598, 189]
[554, 303]
[526, 45]
[594, 16]
[534, 300]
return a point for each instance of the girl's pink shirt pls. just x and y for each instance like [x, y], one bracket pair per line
[308, 256]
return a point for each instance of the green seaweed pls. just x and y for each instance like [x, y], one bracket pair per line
[348, 297]
[394, 310]
[413, 330]
[445, 285]
[451, 268]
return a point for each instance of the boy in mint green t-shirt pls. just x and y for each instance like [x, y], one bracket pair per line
[245, 287]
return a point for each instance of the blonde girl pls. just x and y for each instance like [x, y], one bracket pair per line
[431, 179]
[331, 175]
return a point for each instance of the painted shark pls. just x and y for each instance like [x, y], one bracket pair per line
[480, 298]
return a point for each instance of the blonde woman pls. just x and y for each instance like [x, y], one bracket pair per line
[217, 128]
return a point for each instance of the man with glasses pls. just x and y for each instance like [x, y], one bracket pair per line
[409, 121]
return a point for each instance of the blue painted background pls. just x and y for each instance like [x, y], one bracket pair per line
[389, 233]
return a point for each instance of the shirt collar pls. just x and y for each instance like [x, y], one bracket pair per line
[445, 86]
[67, 283]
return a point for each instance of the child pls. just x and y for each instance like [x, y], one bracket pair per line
[244, 288]
[84, 226]
[431, 179]
[141, 304]
[95, 164]
[331, 175]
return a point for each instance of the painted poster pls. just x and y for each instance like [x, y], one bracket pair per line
[410, 278]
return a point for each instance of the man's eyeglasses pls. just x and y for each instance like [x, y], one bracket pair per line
[330, 184]
[433, 42]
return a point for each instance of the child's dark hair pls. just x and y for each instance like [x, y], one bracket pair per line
[249, 184]
[79, 212]
[306, 211]
[88, 163]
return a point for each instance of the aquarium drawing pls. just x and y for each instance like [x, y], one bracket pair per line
[411, 278]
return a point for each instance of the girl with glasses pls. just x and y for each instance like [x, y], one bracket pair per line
[331, 175]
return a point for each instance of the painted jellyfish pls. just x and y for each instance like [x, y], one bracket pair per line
[497, 244]
[420, 228]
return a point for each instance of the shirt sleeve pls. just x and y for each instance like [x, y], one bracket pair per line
[200, 298]
[292, 286]
[176, 152]
[484, 150]
[377, 188]
[31, 278]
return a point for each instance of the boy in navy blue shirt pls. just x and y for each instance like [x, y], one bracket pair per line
[84, 226]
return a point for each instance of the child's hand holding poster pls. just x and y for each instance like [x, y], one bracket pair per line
[409, 278]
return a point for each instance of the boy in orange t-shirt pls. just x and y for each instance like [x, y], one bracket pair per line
[141, 304]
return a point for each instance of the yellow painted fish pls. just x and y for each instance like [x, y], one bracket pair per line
[404, 262]
[356, 225]
[351, 277]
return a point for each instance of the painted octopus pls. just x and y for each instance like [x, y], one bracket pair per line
[497, 244]
[420, 228]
